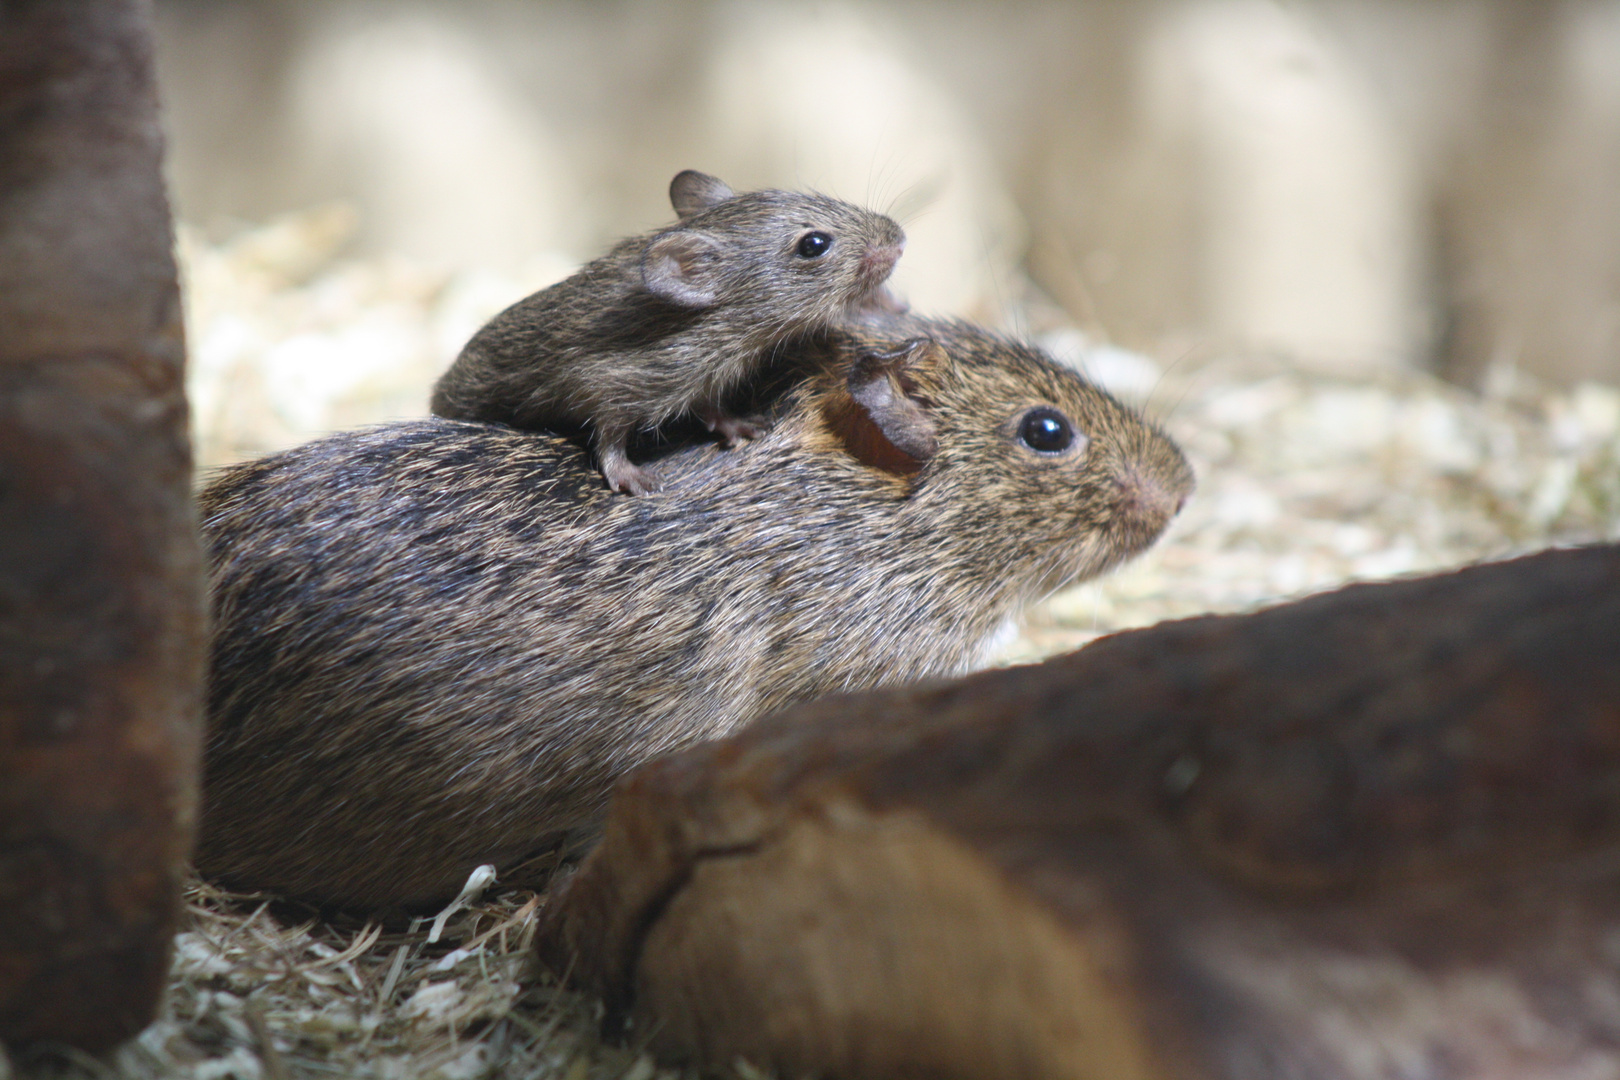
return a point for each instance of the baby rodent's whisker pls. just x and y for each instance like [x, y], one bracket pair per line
[917, 198]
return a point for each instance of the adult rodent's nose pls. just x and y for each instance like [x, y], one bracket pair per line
[1150, 497]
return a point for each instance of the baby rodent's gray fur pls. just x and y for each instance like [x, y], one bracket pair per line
[672, 321]
[437, 643]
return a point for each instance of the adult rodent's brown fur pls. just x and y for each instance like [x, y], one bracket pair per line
[437, 643]
[672, 321]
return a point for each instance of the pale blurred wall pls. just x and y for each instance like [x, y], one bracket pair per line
[1364, 182]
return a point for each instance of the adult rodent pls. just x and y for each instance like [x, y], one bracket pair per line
[674, 320]
[437, 643]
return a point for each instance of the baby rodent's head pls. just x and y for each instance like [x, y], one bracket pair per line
[1017, 454]
[802, 258]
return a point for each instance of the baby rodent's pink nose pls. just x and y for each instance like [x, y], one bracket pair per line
[879, 261]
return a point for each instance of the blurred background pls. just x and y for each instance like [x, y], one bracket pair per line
[1427, 182]
[1361, 256]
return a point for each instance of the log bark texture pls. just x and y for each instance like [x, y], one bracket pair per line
[101, 612]
[1373, 833]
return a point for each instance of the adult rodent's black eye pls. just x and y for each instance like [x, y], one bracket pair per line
[814, 245]
[1046, 431]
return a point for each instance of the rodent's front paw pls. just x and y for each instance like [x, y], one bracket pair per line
[733, 429]
[881, 301]
[629, 479]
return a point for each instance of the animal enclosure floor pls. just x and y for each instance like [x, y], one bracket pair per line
[1307, 479]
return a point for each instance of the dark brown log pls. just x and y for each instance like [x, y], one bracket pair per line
[100, 587]
[1372, 833]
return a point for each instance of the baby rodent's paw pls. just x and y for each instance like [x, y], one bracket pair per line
[628, 478]
[734, 429]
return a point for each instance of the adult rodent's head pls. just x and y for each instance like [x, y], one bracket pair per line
[1027, 466]
[799, 258]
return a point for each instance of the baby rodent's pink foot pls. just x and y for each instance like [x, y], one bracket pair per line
[882, 300]
[733, 429]
[630, 479]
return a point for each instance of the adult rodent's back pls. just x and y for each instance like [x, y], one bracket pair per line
[437, 643]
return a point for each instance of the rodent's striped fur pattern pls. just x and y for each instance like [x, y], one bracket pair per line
[437, 643]
[673, 320]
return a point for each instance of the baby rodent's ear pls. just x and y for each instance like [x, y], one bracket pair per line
[684, 268]
[879, 385]
[692, 192]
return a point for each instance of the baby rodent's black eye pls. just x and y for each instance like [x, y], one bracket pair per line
[814, 245]
[1046, 431]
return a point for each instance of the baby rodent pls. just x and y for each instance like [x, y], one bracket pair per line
[673, 321]
[438, 643]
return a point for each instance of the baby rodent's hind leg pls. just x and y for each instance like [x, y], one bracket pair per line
[731, 429]
[622, 474]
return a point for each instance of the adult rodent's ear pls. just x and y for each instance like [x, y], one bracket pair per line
[683, 268]
[879, 385]
[692, 192]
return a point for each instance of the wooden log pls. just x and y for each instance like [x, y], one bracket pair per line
[1373, 833]
[101, 611]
